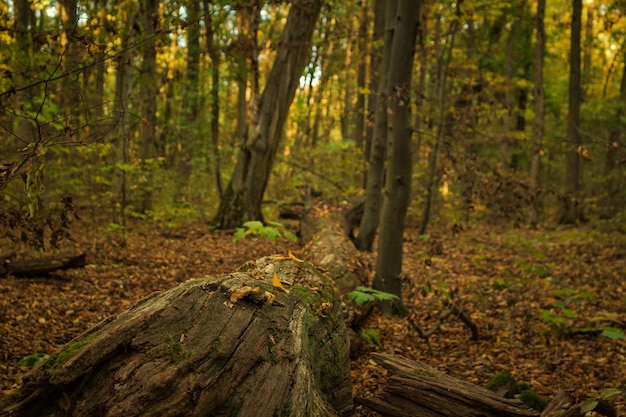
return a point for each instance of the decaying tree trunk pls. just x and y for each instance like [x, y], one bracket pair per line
[415, 389]
[331, 249]
[239, 345]
[40, 266]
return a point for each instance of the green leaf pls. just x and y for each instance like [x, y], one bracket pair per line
[613, 333]
[362, 295]
[570, 314]
[239, 234]
[290, 236]
[253, 225]
[588, 406]
[609, 392]
[269, 233]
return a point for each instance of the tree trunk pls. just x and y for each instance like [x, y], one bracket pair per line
[330, 248]
[149, 84]
[378, 152]
[244, 194]
[572, 204]
[415, 389]
[123, 86]
[610, 202]
[214, 54]
[398, 183]
[359, 113]
[538, 125]
[443, 57]
[237, 345]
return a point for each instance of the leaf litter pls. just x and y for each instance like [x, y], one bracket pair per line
[549, 306]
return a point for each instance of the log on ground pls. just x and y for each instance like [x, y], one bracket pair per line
[328, 247]
[238, 345]
[415, 389]
[44, 265]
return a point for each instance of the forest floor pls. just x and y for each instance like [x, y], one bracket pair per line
[550, 306]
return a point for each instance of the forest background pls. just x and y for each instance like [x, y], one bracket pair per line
[140, 109]
[126, 110]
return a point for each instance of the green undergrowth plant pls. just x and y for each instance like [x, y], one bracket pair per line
[371, 336]
[269, 230]
[563, 316]
[32, 360]
[362, 295]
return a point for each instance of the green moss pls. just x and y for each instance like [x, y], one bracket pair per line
[312, 298]
[533, 400]
[284, 410]
[426, 372]
[172, 349]
[176, 351]
[271, 354]
[499, 380]
[69, 351]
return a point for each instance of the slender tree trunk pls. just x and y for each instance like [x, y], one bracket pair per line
[572, 204]
[374, 79]
[378, 155]
[243, 197]
[538, 124]
[587, 71]
[509, 102]
[359, 113]
[347, 97]
[69, 96]
[443, 60]
[614, 146]
[123, 86]
[315, 109]
[399, 166]
[420, 91]
[148, 82]
[23, 18]
[215, 55]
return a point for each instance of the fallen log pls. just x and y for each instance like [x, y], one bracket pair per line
[238, 345]
[415, 389]
[564, 405]
[44, 265]
[331, 249]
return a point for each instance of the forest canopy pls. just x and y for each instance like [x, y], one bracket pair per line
[141, 108]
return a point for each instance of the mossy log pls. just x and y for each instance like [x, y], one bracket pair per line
[238, 345]
[415, 389]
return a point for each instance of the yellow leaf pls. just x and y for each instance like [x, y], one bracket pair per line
[293, 257]
[276, 283]
[41, 320]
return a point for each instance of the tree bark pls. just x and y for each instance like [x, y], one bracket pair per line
[415, 389]
[572, 204]
[243, 196]
[538, 124]
[359, 112]
[443, 57]
[610, 202]
[215, 55]
[149, 85]
[398, 178]
[378, 152]
[237, 345]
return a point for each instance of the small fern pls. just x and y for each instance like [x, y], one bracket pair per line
[269, 230]
[362, 295]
